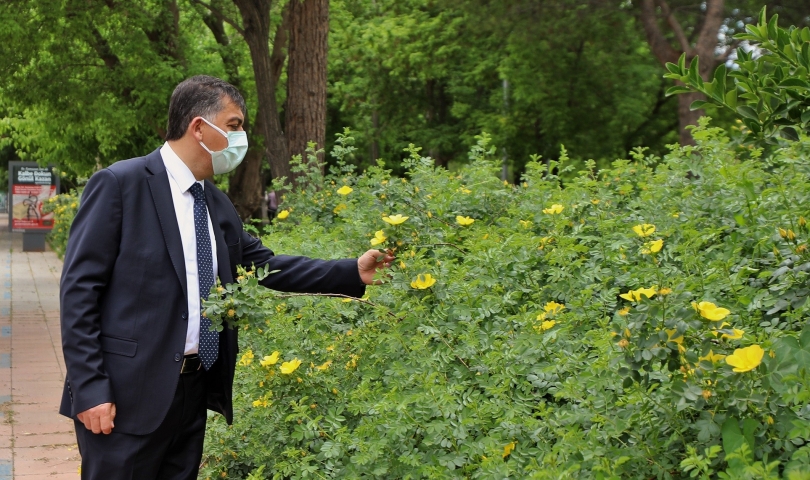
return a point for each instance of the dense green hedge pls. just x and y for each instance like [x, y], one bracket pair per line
[556, 341]
[525, 358]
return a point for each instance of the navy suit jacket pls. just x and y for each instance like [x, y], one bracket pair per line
[123, 294]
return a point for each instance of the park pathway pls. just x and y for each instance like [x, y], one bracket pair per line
[35, 441]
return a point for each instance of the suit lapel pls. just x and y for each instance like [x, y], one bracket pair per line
[162, 197]
[223, 261]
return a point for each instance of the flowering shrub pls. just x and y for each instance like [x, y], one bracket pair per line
[64, 207]
[644, 321]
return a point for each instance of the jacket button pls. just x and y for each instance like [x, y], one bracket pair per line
[177, 357]
[184, 316]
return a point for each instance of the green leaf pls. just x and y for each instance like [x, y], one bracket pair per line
[773, 32]
[674, 68]
[694, 73]
[732, 436]
[794, 82]
[698, 104]
[731, 98]
[678, 89]
[763, 19]
[748, 112]
[790, 133]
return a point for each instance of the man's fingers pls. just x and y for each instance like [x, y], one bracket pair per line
[106, 423]
[95, 424]
[99, 418]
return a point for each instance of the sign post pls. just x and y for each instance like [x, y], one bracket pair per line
[29, 187]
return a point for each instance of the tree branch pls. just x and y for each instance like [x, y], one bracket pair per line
[723, 57]
[676, 27]
[659, 45]
[218, 13]
[280, 41]
[707, 41]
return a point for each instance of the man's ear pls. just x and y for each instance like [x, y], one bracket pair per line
[195, 128]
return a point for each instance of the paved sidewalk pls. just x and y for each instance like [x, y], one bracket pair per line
[35, 441]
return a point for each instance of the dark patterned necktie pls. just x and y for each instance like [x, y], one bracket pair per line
[209, 341]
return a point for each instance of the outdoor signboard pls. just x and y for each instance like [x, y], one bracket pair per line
[30, 186]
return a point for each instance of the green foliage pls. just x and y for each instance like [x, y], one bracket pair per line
[64, 207]
[515, 69]
[525, 358]
[769, 88]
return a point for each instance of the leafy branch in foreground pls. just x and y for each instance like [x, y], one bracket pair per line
[769, 87]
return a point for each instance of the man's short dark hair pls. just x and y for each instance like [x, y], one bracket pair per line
[199, 96]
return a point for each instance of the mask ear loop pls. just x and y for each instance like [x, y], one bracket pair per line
[215, 128]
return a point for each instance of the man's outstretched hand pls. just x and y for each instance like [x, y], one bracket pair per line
[99, 419]
[371, 262]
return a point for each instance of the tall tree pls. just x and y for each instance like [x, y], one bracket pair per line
[700, 41]
[305, 110]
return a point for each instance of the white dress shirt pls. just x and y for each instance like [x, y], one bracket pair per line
[180, 180]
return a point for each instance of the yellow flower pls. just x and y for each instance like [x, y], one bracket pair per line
[526, 223]
[395, 219]
[553, 307]
[711, 357]
[330, 348]
[746, 359]
[423, 282]
[345, 190]
[623, 343]
[379, 237]
[289, 367]
[710, 311]
[624, 311]
[735, 334]
[635, 295]
[247, 358]
[271, 359]
[464, 221]
[665, 291]
[340, 207]
[644, 230]
[547, 325]
[554, 209]
[672, 338]
[507, 449]
[652, 247]
[707, 394]
[283, 214]
[324, 366]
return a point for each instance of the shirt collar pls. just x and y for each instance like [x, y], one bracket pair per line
[178, 170]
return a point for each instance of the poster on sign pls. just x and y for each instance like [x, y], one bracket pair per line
[30, 187]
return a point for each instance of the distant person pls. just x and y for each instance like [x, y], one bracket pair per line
[272, 204]
[150, 238]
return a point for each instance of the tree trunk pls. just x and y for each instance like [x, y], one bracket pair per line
[688, 117]
[256, 32]
[704, 48]
[245, 187]
[305, 112]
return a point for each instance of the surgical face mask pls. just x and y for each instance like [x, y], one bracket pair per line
[228, 159]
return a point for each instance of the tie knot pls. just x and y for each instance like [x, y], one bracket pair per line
[197, 192]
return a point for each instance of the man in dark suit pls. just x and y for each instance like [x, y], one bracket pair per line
[147, 242]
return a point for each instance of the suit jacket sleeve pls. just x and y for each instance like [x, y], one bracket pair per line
[91, 253]
[303, 274]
